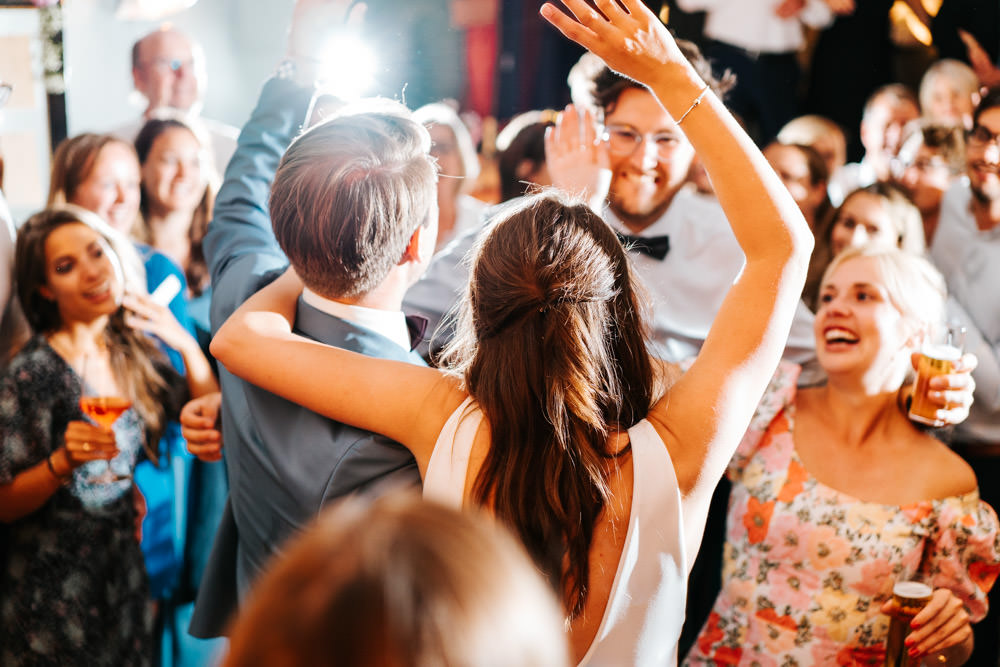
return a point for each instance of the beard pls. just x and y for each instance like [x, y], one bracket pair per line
[639, 204]
[985, 187]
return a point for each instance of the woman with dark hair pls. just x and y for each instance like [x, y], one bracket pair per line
[521, 154]
[75, 590]
[551, 413]
[804, 173]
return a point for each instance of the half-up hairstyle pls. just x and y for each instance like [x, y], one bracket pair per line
[137, 363]
[553, 348]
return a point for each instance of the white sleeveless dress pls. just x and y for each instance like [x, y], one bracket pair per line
[645, 612]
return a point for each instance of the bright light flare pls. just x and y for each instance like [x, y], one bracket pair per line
[347, 66]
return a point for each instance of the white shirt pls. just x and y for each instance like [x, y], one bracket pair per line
[388, 323]
[969, 259]
[753, 25]
[688, 286]
[469, 212]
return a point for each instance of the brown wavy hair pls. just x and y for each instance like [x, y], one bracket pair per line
[136, 361]
[402, 582]
[553, 347]
[196, 273]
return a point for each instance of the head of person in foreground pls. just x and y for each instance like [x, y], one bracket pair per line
[398, 581]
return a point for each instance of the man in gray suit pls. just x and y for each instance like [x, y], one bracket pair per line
[353, 209]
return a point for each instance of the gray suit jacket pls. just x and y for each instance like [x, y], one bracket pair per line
[284, 461]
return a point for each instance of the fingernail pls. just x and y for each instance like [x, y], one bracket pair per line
[914, 652]
[908, 641]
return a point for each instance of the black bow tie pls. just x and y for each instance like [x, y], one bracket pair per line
[417, 326]
[656, 247]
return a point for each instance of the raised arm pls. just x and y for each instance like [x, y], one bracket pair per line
[402, 401]
[240, 246]
[709, 408]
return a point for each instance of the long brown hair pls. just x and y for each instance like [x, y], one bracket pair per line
[553, 347]
[133, 354]
[402, 582]
[196, 273]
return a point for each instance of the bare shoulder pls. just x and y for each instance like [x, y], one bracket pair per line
[947, 473]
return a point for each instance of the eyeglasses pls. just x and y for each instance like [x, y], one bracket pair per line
[925, 165]
[981, 135]
[623, 140]
[170, 64]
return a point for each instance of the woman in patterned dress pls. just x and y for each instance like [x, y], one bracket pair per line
[73, 589]
[836, 493]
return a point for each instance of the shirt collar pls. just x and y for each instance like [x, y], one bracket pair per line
[388, 323]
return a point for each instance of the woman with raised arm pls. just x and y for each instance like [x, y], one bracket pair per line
[552, 415]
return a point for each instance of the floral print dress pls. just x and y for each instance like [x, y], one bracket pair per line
[73, 587]
[806, 568]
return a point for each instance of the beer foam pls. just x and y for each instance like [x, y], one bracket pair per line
[941, 351]
[912, 590]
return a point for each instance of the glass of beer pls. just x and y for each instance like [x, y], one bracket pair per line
[909, 595]
[937, 357]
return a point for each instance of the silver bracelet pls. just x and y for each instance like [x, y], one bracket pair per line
[696, 102]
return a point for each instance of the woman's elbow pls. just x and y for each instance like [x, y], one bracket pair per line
[224, 345]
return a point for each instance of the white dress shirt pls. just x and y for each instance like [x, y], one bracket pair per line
[969, 258]
[388, 323]
[752, 24]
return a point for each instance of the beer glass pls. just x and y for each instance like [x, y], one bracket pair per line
[910, 595]
[937, 357]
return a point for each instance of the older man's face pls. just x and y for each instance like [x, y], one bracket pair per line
[168, 71]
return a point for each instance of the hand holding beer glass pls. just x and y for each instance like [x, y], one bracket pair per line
[939, 356]
[927, 625]
[909, 596]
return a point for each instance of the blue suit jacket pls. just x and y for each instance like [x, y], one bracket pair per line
[284, 461]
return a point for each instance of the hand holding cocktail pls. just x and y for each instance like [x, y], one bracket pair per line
[86, 442]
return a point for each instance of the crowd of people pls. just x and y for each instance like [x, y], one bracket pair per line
[337, 406]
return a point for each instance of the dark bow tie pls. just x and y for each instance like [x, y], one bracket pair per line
[417, 326]
[656, 247]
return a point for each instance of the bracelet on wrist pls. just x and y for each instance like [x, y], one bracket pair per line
[697, 101]
[62, 479]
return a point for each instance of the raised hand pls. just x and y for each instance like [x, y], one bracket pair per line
[576, 160]
[147, 315]
[199, 418]
[841, 7]
[628, 37]
[313, 21]
[787, 9]
[988, 73]
[952, 392]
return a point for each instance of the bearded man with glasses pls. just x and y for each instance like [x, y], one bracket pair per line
[966, 249]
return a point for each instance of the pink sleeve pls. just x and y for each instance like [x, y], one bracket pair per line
[778, 395]
[963, 554]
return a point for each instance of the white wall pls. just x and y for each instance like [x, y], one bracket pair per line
[243, 40]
